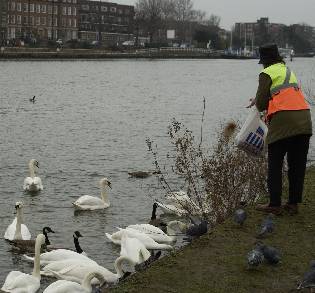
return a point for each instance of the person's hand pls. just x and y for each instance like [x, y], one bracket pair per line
[252, 102]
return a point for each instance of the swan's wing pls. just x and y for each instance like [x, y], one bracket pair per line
[171, 209]
[62, 254]
[16, 279]
[38, 182]
[88, 200]
[32, 184]
[113, 239]
[134, 249]
[146, 228]
[26, 235]
[63, 286]
[9, 233]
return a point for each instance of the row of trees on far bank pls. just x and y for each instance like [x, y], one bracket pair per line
[154, 17]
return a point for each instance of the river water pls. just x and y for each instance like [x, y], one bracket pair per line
[90, 120]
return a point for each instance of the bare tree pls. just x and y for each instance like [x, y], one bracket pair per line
[214, 20]
[150, 12]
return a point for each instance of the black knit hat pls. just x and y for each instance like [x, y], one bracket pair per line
[269, 54]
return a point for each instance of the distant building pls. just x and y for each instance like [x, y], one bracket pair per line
[257, 32]
[37, 20]
[106, 22]
[3, 20]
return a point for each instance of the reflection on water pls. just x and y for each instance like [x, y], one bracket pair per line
[90, 120]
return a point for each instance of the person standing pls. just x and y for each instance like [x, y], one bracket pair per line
[289, 128]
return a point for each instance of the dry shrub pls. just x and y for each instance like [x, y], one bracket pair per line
[217, 180]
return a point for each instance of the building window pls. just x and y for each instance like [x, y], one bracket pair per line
[25, 20]
[74, 35]
[63, 22]
[32, 20]
[43, 9]
[49, 35]
[127, 11]
[25, 7]
[113, 9]
[37, 8]
[18, 19]
[31, 7]
[49, 20]
[74, 22]
[12, 19]
[74, 1]
[38, 20]
[64, 10]
[49, 9]
[103, 8]
[43, 20]
[55, 10]
[120, 11]
[56, 22]
[69, 10]
[74, 11]
[85, 7]
[18, 6]
[69, 22]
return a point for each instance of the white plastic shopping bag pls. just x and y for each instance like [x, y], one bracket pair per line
[252, 135]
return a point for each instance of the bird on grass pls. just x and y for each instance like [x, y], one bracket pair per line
[240, 216]
[267, 226]
[255, 257]
[271, 254]
[308, 279]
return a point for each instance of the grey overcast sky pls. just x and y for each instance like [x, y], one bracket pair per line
[231, 11]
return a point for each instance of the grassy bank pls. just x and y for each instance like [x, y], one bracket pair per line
[216, 262]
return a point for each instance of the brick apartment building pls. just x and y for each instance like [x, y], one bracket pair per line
[105, 22]
[43, 20]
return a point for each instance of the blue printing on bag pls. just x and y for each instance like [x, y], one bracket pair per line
[255, 140]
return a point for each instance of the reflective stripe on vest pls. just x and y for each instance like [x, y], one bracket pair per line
[285, 96]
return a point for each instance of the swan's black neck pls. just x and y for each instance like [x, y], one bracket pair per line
[77, 245]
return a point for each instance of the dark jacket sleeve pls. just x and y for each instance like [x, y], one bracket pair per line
[263, 92]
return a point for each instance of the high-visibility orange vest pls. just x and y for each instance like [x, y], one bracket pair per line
[285, 92]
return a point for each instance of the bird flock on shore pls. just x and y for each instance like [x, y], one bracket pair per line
[141, 244]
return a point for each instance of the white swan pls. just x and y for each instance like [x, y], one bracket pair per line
[16, 230]
[18, 282]
[63, 286]
[75, 270]
[148, 242]
[133, 249]
[156, 233]
[171, 209]
[87, 202]
[32, 183]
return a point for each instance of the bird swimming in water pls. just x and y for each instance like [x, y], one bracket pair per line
[240, 216]
[33, 99]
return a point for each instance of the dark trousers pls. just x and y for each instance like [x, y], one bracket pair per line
[296, 149]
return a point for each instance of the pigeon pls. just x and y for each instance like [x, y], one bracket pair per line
[240, 216]
[196, 230]
[271, 254]
[267, 226]
[255, 257]
[308, 279]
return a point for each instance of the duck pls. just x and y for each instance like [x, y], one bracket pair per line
[142, 174]
[29, 245]
[87, 202]
[76, 269]
[63, 254]
[73, 287]
[148, 242]
[32, 183]
[16, 230]
[17, 281]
